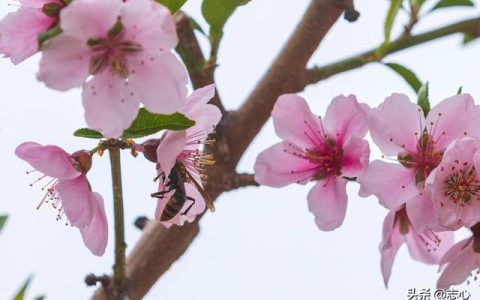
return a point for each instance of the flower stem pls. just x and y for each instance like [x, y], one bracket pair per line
[120, 245]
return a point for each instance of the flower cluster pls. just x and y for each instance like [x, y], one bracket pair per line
[120, 53]
[431, 185]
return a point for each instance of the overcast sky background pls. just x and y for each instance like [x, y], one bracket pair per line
[261, 243]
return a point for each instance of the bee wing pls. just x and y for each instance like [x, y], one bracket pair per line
[208, 200]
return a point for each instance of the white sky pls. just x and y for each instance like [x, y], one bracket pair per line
[261, 243]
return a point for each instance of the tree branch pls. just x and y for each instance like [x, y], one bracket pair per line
[159, 248]
[317, 74]
[201, 73]
[286, 75]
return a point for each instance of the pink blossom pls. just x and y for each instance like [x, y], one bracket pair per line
[69, 190]
[126, 46]
[320, 150]
[454, 185]
[19, 30]
[399, 128]
[459, 262]
[427, 247]
[181, 151]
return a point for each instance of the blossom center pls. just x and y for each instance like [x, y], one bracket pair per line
[111, 51]
[462, 186]
[424, 160]
[328, 158]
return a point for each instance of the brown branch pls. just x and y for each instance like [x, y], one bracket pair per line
[201, 73]
[159, 248]
[286, 75]
[317, 74]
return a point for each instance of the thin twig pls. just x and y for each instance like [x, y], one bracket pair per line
[317, 74]
[120, 245]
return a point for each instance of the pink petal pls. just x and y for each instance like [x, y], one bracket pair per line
[455, 250]
[421, 212]
[356, 155]
[394, 124]
[294, 122]
[52, 161]
[110, 105]
[346, 118]
[454, 118]
[388, 223]
[65, 63]
[76, 203]
[459, 269]
[85, 19]
[159, 80]
[279, 166]
[206, 116]
[95, 234]
[327, 200]
[431, 253]
[170, 147]
[198, 109]
[149, 24]
[389, 246]
[19, 33]
[392, 184]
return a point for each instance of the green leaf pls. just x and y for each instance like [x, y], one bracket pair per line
[39, 297]
[216, 13]
[172, 5]
[460, 90]
[148, 123]
[88, 133]
[423, 100]
[417, 3]
[21, 293]
[406, 74]
[3, 220]
[391, 15]
[51, 33]
[450, 3]
[197, 26]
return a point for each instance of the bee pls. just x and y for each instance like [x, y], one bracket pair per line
[176, 181]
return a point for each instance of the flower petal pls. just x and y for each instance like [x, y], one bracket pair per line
[110, 105]
[95, 234]
[455, 250]
[198, 109]
[345, 118]
[52, 161]
[356, 155]
[282, 164]
[159, 80]
[294, 122]
[150, 24]
[65, 63]
[170, 147]
[421, 212]
[394, 123]
[459, 268]
[76, 202]
[19, 33]
[85, 19]
[327, 200]
[454, 118]
[391, 242]
[392, 184]
[431, 253]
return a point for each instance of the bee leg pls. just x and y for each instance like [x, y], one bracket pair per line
[190, 206]
[162, 193]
